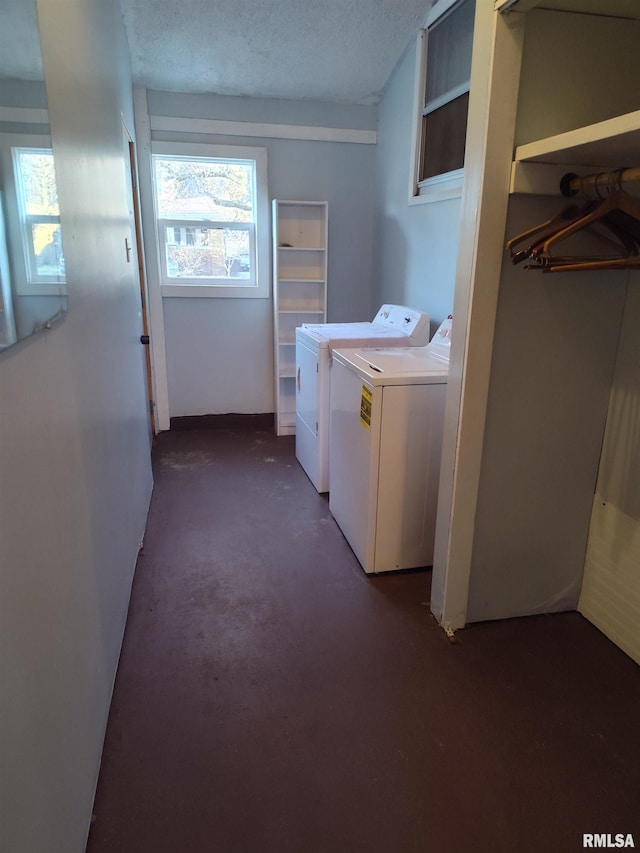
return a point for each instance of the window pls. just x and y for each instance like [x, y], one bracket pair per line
[34, 222]
[212, 216]
[443, 70]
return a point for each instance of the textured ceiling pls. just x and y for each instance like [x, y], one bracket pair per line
[330, 50]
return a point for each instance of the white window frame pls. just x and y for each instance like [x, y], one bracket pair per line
[18, 223]
[258, 288]
[449, 184]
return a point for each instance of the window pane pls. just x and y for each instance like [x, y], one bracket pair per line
[204, 187]
[36, 181]
[47, 249]
[214, 253]
[37, 198]
[444, 136]
[449, 49]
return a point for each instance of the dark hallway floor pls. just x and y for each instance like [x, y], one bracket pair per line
[272, 698]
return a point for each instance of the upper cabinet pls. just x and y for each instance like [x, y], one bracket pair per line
[300, 230]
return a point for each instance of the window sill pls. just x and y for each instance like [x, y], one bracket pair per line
[220, 291]
[439, 188]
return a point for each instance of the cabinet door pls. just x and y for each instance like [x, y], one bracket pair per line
[307, 386]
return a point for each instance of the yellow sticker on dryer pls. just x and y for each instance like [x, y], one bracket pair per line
[365, 406]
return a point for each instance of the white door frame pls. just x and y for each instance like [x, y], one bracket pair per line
[155, 307]
[495, 73]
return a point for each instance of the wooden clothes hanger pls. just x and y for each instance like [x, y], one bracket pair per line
[618, 214]
[583, 266]
[560, 220]
[558, 223]
[617, 206]
[625, 245]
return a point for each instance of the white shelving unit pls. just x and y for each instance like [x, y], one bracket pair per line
[300, 231]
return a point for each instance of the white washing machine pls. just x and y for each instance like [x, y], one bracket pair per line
[395, 325]
[387, 415]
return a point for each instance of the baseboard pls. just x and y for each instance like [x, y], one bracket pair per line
[234, 421]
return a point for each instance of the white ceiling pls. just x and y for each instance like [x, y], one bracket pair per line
[332, 50]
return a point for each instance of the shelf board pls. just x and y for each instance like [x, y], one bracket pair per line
[610, 8]
[301, 249]
[285, 422]
[614, 143]
[301, 281]
[300, 311]
[300, 203]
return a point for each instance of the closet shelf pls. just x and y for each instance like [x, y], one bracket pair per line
[610, 8]
[614, 142]
[538, 166]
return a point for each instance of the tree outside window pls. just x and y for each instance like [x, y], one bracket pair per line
[206, 216]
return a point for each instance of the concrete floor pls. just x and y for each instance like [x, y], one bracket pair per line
[272, 698]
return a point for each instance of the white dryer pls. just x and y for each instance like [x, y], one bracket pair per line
[387, 415]
[393, 325]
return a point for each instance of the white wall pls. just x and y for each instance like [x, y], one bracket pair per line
[74, 458]
[219, 352]
[416, 245]
[553, 357]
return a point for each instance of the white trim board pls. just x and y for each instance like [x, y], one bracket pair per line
[218, 127]
[24, 115]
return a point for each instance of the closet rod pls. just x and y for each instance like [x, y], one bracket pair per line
[600, 185]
